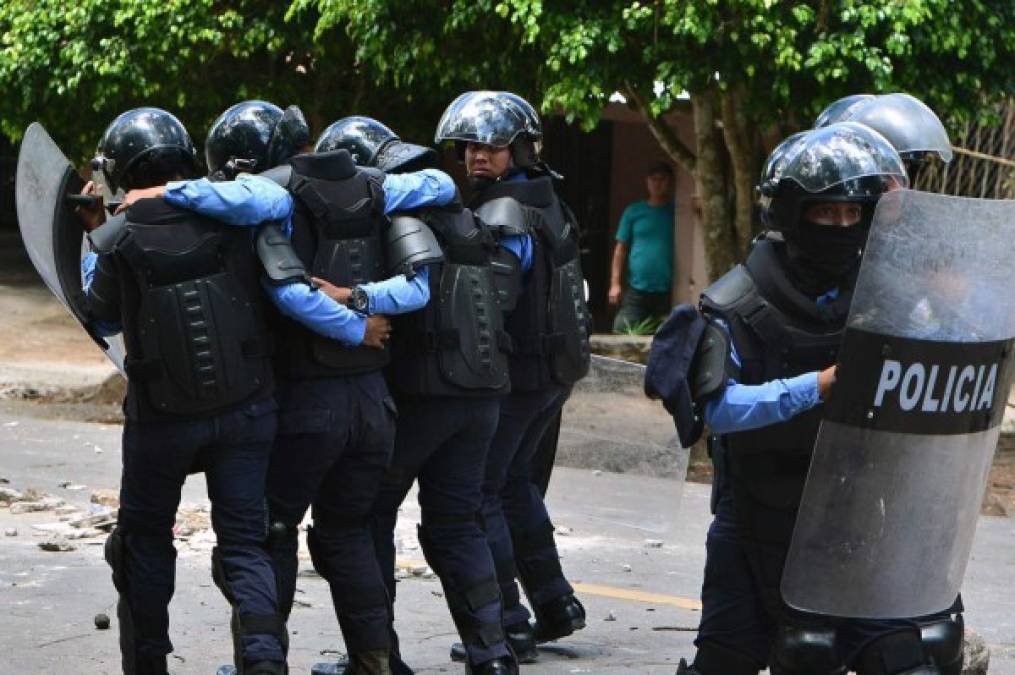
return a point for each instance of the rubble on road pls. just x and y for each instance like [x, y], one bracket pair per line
[56, 543]
[9, 495]
[43, 504]
[106, 497]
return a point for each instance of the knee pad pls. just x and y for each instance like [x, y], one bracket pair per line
[716, 659]
[429, 538]
[898, 653]
[317, 554]
[115, 554]
[807, 651]
[279, 531]
[942, 644]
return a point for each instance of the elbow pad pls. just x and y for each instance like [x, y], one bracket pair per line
[104, 237]
[278, 257]
[504, 215]
[409, 243]
[713, 364]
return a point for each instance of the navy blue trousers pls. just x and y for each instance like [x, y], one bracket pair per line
[334, 443]
[517, 525]
[733, 614]
[443, 442]
[233, 450]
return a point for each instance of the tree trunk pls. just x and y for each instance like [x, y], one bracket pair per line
[721, 246]
[742, 142]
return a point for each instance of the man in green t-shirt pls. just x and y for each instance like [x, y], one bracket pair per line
[645, 240]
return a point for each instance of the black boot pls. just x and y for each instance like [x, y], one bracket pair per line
[684, 669]
[558, 618]
[259, 668]
[347, 667]
[519, 636]
[504, 665]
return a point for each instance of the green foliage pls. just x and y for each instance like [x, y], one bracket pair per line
[793, 57]
[75, 66]
[647, 326]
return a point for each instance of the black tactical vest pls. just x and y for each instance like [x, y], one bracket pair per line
[456, 345]
[195, 323]
[337, 229]
[778, 333]
[550, 323]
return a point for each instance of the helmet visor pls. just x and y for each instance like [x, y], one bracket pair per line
[840, 154]
[907, 123]
[839, 111]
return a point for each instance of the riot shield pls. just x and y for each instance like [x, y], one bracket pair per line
[45, 183]
[629, 444]
[886, 521]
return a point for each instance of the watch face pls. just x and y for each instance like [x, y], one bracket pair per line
[360, 301]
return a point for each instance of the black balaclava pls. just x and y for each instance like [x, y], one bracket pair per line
[823, 257]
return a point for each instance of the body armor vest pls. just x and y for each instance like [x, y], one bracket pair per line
[550, 323]
[778, 333]
[456, 345]
[196, 331]
[337, 228]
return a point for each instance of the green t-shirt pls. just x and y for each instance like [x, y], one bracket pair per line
[648, 232]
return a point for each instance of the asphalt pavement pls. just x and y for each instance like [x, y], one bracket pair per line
[631, 544]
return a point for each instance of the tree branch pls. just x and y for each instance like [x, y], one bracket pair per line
[664, 134]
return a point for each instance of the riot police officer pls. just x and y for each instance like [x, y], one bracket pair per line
[372, 144]
[498, 136]
[336, 420]
[185, 291]
[449, 370]
[764, 365]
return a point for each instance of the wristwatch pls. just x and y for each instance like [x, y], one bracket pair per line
[359, 300]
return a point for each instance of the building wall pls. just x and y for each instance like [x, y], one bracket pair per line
[634, 150]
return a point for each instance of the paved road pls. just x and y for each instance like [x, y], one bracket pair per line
[51, 598]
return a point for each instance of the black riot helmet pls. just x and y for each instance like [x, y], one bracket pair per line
[771, 173]
[908, 124]
[497, 118]
[372, 144]
[144, 147]
[254, 136]
[841, 163]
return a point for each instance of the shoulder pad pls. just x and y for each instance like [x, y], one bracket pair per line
[409, 243]
[281, 174]
[278, 257]
[729, 289]
[105, 236]
[504, 214]
[713, 363]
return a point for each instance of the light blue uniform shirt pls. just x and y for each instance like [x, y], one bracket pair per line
[103, 328]
[743, 407]
[250, 200]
